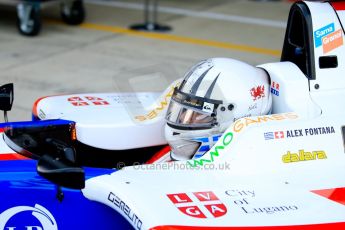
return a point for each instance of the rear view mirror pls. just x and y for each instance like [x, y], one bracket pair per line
[6, 97]
[61, 173]
[51, 142]
[34, 139]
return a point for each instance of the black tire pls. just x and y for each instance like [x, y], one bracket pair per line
[75, 15]
[31, 26]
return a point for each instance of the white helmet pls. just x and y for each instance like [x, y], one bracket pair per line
[212, 95]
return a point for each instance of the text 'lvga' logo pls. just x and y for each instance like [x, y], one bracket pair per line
[199, 204]
[88, 100]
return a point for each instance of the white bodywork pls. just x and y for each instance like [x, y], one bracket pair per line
[108, 120]
[285, 170]
[246, 163]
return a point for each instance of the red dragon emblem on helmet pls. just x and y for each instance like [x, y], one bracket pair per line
[257, 92]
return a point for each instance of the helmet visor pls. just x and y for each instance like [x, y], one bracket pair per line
[188, 111]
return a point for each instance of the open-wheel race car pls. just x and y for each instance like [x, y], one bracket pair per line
[279, 171]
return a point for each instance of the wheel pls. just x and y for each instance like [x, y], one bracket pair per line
[73, 12]
[28, 19]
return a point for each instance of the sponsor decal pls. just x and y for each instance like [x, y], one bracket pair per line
[238, 126]
[228, 137]
[269, 210]
[45, 218]
[320, 33]
[86, 101]
[242, 199]
[332, 41]
[241, 124]
[199, 204]
[303, 156]
[97, 100]
[275, 88]
[257, 92]
[240, 193]
[208, 107]
[328, 38]
[156, 111]
[126, 210]
[77, 101]
[211, 155]
[299, 133]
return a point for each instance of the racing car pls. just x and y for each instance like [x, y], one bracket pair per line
[278, 171]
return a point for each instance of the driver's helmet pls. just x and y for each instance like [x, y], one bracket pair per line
[213, 94]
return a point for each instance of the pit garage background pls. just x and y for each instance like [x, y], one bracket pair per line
[103, 54]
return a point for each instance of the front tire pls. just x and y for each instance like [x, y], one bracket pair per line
[73, 13]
